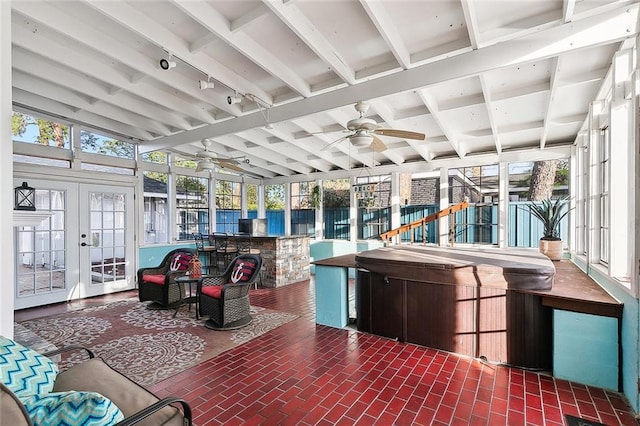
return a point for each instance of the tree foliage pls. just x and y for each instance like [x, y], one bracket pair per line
[49, 132]
[252, 197]
[91, 142]
[274, 197]
[336, 193]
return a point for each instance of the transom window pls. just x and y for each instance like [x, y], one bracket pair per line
[99, 144]
[42, 131]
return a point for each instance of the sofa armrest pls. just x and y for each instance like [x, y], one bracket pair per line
[12, 410]
[143, 414]
[68, 349]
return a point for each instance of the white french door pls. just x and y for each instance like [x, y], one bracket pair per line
[106, 239]
[86, 248]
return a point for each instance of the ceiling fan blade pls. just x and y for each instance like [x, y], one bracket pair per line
[334, 143]
[377, 145]
[230, 166]
[227, 161]
[404, 134]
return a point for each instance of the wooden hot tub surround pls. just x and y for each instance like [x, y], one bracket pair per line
[476, 302]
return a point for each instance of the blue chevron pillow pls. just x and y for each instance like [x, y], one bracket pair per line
[72, 408]
[25, 371]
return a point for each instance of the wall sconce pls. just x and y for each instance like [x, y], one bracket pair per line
[25, 197]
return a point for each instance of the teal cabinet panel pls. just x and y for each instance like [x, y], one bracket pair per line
[332, 298]
[585, 349]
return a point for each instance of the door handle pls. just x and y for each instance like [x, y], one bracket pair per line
[83, 244]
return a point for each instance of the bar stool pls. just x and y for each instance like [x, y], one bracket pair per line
[204, 250]
[243, 243]
[224, 252]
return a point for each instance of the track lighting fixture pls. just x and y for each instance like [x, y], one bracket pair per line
[207, 84]
[167, 63]
[234, 99]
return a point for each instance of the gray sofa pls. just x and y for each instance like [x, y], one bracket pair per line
[138, 405]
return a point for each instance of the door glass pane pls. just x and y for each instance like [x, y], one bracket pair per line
[40, 250]
[96, 220]
[108, 237]
[96, 201]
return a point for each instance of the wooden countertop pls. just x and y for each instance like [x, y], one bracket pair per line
[572, 289]
[344, 261]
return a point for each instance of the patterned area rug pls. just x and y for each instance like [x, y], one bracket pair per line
[146, 345]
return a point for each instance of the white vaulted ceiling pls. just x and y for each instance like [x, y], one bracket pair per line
[475, 77]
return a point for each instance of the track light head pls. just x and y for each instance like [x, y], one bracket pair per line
[204, 85]
[167, 64]
[234, 99]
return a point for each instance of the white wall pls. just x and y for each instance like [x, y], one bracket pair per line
[6, 174]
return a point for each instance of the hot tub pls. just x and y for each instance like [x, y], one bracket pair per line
[476, 302]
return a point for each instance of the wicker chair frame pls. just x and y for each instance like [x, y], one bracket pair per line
[231, 310]
[168, 295]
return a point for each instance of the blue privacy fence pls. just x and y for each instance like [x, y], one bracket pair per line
[477, 224]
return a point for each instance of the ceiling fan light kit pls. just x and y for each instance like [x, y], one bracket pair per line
[205, 165]
[361, 139]
[208, 160]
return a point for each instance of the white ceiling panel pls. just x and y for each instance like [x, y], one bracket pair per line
[474, 77]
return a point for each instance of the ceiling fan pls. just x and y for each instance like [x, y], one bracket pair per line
[364, 130]
[209, 160]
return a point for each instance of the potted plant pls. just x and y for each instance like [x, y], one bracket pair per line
[551, 213]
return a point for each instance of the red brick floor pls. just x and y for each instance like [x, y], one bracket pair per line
[305, 374]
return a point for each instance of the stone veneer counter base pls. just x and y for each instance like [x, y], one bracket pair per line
[285, 259]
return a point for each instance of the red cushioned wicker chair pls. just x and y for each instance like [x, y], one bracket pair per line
[158, 284]
[224, 297]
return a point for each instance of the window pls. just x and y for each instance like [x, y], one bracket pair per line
[582, 191]
[41, 252]
[303, 213]
[100, 144]
[155, 208]
[274, 206]
[192, 206]
[228, 205]
[252, 197]
[29, 129]
[524, 229]
[335, 208]
[107, 169]
[604, 195]
[41, 161]
[477, 224]
[157, 157]
[374, 201]
[419, 197]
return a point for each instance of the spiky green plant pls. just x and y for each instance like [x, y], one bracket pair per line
[550, 214]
